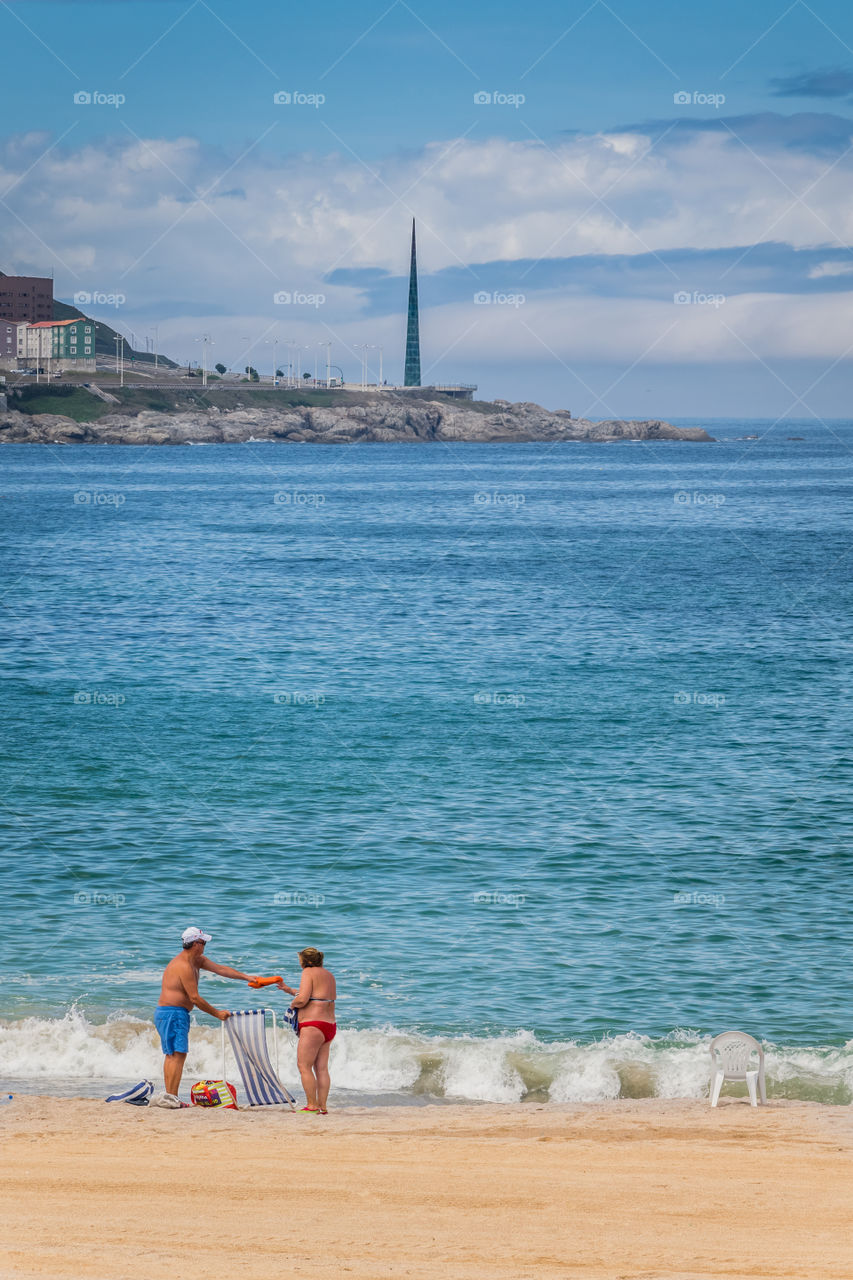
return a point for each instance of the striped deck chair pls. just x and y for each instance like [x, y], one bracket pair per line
[247, 1033]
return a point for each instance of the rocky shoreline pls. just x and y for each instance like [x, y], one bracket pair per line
[385, 420]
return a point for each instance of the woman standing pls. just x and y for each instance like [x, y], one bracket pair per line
[315, 1005]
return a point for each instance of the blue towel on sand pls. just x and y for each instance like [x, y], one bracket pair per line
[137, 1096]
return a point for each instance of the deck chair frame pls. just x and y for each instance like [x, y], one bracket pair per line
[292, 1101]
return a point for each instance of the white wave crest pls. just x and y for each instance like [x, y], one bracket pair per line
[72, 1051]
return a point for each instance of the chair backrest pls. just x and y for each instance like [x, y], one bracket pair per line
[248, 1036]
[732, 1050]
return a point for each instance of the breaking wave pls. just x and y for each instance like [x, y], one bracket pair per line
[44, 1054]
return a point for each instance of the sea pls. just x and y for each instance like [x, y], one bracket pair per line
[547, 747]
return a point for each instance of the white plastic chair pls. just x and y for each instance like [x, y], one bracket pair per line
[731, 1054]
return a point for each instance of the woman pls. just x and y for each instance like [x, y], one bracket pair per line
[315, 1005]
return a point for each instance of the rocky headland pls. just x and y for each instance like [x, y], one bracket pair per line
[382, 419]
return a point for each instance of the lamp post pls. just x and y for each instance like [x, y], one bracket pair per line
[365, 347]
[156, 331]
[206, 341]
[247, 350]
[120, 357]
[273, 342]
[295, 365]
[328, 347]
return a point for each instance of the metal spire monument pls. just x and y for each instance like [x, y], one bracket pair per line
[412, 376]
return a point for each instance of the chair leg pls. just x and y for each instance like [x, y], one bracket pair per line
[762, 1087]
[750, 1084]
[716, 1087]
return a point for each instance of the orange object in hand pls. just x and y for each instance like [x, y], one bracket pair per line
[264, 982]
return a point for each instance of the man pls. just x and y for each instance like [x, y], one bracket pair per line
[178, 995]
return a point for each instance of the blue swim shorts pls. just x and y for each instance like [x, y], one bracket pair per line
[173, 1023]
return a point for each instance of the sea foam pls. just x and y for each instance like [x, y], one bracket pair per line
[48, 1053]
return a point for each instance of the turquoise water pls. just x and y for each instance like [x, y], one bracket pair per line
[540, 742]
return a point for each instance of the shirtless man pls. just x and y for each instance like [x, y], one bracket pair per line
[178, 995]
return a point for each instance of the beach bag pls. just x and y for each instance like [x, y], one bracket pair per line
[214, 1093]
[290, 1018]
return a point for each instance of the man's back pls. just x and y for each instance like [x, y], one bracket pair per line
[173, 991]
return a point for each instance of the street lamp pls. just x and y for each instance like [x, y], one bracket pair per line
[247, 350]
[365, 347]
[289, 342]
[328, 347]
[273, 342]
[206, 341]
[120, 356]
[156, 331]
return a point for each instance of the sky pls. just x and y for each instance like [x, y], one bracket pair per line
[626, 209]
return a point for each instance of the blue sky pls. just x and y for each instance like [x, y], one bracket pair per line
[586, 190]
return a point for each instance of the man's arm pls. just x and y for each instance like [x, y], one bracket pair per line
[223, 970]
[191, 988]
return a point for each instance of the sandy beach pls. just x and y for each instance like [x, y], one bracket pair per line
[633, 1190]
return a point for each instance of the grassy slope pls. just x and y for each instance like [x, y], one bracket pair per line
[105, 337]
[79, 405]
[82, 406]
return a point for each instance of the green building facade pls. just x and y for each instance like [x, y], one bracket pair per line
[74, 340]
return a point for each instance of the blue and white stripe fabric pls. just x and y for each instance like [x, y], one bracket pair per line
[138, 1095]
[247, 1033]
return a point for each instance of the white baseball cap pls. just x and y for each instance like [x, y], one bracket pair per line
[194, 935]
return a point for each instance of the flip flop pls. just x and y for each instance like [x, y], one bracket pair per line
[311, 1110]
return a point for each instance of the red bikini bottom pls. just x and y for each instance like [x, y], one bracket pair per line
[328, 1029]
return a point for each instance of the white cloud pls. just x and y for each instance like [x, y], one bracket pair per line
[827, 270]
[120, 216]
